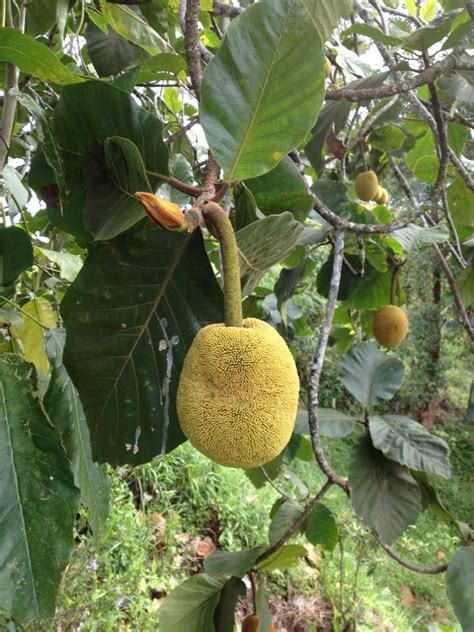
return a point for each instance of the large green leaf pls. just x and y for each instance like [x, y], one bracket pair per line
[284, 517]
[326, 14]
[224, 615]
[282, 189]
[370, 375]
[38, 500]
[332, 423]
[460, 586]
[131, 316]
[100, 173]
[190, 607]
[16, 254]
[65, 411]
[461, 203]
[34, 58]
[321, 528]
[285, 557]
[264, 243]
[384, 494]
[235, 563]
[413, 236]
[109, 52]
[409, 443]
[258, 100]
[132, 27]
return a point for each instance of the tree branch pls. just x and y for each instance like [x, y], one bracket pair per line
[428, 570]
[318, 362]
[345, 225]
[296, 525]
[192, 44]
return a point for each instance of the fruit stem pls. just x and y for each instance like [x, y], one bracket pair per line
[394, 286]
[223, 230]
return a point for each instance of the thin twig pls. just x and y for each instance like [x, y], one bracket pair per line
[417, 568]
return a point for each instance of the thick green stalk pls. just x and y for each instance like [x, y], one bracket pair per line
[223, 230]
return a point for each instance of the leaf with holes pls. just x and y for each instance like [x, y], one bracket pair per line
[258, 100]
[38, 500]
[131, 316]
[65, 411]
[384, 494]
[370, 375]
[409, 443]
[264, 243]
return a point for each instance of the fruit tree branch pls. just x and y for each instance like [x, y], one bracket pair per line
[427, 570]
[318, 362]
[297, 524]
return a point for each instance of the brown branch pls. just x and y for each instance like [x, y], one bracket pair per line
[398, 87]
[428, 570]
[318, 362]
[353, 227]
[296, 525]
[400, 14]
[182, 131]
[461, 169]
[192, 44]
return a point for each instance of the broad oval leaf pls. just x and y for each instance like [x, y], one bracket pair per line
[34, 58]
[131, 316]
[235, 563]
[370, 375]
[285, 557]
[384, 494]
[110, 52]
[321, 528]
[413, 236]
[65, 410]
[285, 516]
[282, 189]
[332, 423]
[191, 605]
[409, 443]
[264, 243]
[460, 586]
[99, 194]
[38, 500]
[258, 100]
[326, 14]
[233, 590]
[16, 254]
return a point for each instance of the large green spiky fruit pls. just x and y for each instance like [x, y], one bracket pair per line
[366, 185]
[238, 393]
[390, 326]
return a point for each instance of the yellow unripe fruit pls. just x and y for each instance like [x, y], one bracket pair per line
[238, 393]
[327, 67]
[250, 624]
[390, 326]
[382, 196]
[366, 185]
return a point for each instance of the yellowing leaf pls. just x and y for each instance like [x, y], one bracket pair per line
[428, 10]
[411, 7]
[36, 311]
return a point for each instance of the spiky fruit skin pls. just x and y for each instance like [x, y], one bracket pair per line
[238, 394]
[382, 196]
[390, 326]
[250, 624]
[366, 185]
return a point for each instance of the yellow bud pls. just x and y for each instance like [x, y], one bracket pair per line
[166, 214]
[327, 67]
